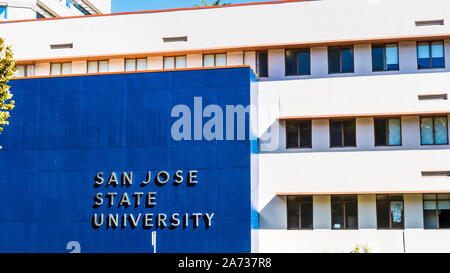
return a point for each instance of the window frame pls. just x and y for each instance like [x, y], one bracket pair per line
[387, 136]
[298, 134]
[434, 131]
[431, 57]
[299, 202]
[344, 213]
[352, 47]
[60, 69]
[390, 218]
[125, 64]
[384, 57]
[135, 64]
[342, 127]
[257, 63]
[215, 59]
[297, 50]
[174, 62]
[25, 72]
[98, 66]
[436, 211]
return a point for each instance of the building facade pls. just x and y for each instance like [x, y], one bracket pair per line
[32, 9]
[352, 100]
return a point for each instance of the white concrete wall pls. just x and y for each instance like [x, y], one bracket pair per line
[116, 65]
[79, 67]
[344, 241]
[367, 211]
[194, 60]
[98, 35]
[322, 212]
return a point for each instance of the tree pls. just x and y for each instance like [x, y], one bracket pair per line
[214, 3]
[7, 69]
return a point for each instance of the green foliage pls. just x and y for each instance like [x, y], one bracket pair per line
[361, 249]
[7, 69]
[214, 3]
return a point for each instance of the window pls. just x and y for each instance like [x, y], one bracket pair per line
[388, 132]
[60, 68]
[344, 211]
[340, 59]
[135, 64]
[343, 133]
[262, 63]
[175, 62]
[433, 130]
[24, 70]
[298, 134]
[390, 214]
[298, 62]
[212, 60]
[430, 55]
[385, 57]
[3, 13]
[98, 66]
[436, 211]
[299, 212]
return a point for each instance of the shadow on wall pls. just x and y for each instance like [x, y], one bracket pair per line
[273, 141]
[274, 214]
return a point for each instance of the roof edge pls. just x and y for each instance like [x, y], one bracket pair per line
[155, 11]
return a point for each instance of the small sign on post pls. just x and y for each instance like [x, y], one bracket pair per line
[154, 241]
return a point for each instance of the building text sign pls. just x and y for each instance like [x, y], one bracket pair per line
[146, 200]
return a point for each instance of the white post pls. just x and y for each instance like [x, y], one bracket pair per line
[154, 241]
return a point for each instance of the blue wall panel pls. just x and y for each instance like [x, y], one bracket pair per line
[65, 130]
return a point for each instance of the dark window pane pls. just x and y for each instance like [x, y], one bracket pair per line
[262, 60]
[429, 212]
[437, 54]
[304, 63]
[334, 60]
[378, 58]
[336, 133]
[347, 60]
[307, 215]
[293, 214]
[423, 55]
[430, 219]
[391, 52]
[440, 130]
[337, 215]
[383, 214]
[291, 134]
[351, 215]
[349, 132]
[426, 130]
[444, 213]
[291, 62]
[380, 132]
[397, 214]
[305, 134]
[394, 131]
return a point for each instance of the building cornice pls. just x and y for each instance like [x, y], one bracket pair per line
[125, 55]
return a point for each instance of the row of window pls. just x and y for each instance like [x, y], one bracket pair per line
[384, 58]
[388, 132]
[297, 61]
[102, 66]
[389, 208]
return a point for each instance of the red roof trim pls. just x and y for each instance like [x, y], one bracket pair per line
[155, 11]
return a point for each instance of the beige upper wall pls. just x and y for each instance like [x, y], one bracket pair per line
[241, 26]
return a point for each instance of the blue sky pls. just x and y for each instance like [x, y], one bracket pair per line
[137, 5]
